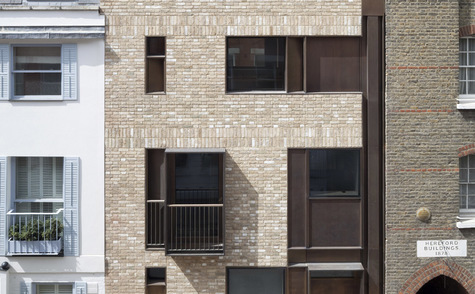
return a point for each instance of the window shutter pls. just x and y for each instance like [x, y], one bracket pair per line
[69, 61]
[26, 288]
[71, 201]
[81, 288]
[3, 203]
[4, 71]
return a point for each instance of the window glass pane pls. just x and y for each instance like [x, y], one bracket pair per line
[256, 281]
[471, 74]
[471, 88]
[196, 178]
[65, 289]
[463, 58]
[471, 189]
[255, 64]
[471, 59]
[38, 178]
[471, 202]
[37, 84]
[462, 74]
[471, 44]
[463, 202]
[46, 289]
[37, 58]
[471, 161]
[155, 45]
[334, 173]
[463, 45]
[463, 189]
[462, 88]
[471, 177]
[463, 162]
[463, 175]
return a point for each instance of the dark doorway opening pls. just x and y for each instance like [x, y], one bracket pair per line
[442, 285]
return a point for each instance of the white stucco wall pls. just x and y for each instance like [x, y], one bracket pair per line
[64, 128]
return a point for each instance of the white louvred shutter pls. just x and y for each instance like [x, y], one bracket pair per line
[4, 71]
[71, 209]
[69, 71]
[3, 204]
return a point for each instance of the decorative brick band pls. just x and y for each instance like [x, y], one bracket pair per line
[423, 67]
[466, 150]
[467, 31]
[435, 269]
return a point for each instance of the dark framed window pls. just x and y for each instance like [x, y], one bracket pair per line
[334, 172]
[256, 280]
[255, 64]
[155, 65]
[325, 203]
[185, 200]
[293, 64]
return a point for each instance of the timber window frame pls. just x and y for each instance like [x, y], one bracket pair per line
[38, 72]
[303, 64]
[467, 184]
[466, 99]
[155, 64]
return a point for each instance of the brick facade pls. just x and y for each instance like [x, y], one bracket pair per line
[195, 112]
[424, 135]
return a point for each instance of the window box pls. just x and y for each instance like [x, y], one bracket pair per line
[44, 247]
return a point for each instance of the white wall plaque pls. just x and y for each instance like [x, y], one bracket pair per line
[442, 248]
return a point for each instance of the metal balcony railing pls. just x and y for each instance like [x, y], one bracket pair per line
[35, 233]
[195, 228]
[155, 223]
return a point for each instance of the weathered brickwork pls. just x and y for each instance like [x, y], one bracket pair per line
[255, 130]
[424, 134]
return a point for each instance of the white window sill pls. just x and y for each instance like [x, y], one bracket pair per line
[37, 98]
[466, 222]
[466, 102]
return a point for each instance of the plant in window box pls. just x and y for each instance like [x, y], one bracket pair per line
[35, 237]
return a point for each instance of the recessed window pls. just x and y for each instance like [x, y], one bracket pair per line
[334, 172]
[156, 280]
[467, 66]
[185, 191]
[467, 183]
[155, 65]
[256, 280]
[37, 70]
[256, 64]
[293, 64]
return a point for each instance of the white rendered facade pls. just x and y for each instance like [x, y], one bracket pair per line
[60, 126]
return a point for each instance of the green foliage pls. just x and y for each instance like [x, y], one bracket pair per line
[36, 230]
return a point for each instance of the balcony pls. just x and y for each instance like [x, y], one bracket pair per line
[35, 233]
[195, 229]
[192, 228]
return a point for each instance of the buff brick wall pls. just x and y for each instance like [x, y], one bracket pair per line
[256, 130]
[424, 132]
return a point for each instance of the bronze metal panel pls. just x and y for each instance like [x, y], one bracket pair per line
[297, 182]
[374, 137]
[372, 7]
[155, 165]
[297, 255]
[294, 64]
[334, 255]
[333, 64]
[297, 280]
[335, 285]
[335, 222]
